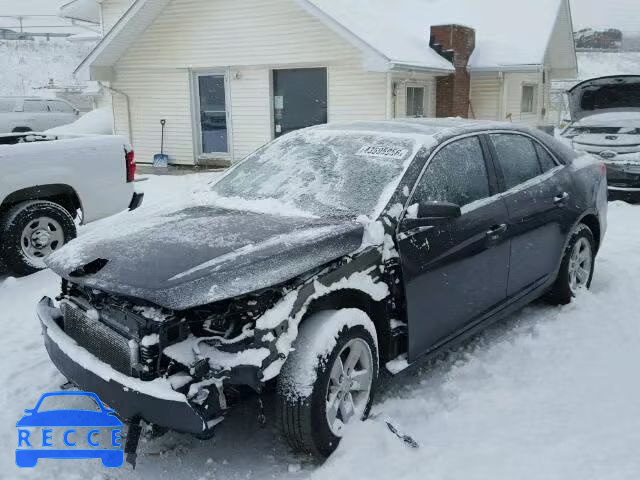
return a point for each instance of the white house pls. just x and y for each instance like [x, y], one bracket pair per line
[230, 75]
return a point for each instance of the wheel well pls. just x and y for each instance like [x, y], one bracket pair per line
[21, 130]
[63, 195]
[593, 223]
[351, 298]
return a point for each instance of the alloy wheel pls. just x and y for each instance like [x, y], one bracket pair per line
[580, 263]
[350, 383]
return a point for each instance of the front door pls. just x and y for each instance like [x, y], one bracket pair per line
[299, 99]
[537, 195]
[212, 114]
[457, 271]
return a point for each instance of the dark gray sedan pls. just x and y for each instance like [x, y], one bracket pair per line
[315, 262]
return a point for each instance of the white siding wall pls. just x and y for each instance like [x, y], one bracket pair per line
[249, 38]
[512, 96]
[561, 58]
[149, 103]
[485, 96]
[112, 10]
[414, 80]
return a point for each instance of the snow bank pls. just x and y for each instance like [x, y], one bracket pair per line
[98, 122]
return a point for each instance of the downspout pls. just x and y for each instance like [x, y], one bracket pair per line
[126, 98]
[390, 108]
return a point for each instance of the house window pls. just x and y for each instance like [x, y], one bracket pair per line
[528, 99]
[415, 101]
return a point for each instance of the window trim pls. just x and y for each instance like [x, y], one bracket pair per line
[492, 169]
[494, 184]
[199, 156]
[534, 99]
[44, 102]
[406, 99]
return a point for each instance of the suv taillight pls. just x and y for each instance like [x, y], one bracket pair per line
[130, 160]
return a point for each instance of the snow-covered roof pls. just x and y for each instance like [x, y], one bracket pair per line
[508, 32]
[84, 10]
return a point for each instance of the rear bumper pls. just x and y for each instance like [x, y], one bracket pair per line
[136, 200]
[627, 194]
[155, 402]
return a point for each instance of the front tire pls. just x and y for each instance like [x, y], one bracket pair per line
[328, 381]
[576, 270]
[32, 230]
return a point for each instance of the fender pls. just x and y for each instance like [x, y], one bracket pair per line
[358, 283]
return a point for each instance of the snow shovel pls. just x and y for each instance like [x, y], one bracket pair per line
[160, 160]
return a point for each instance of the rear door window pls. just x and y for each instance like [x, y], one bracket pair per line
[59, 107]
[456, 174]
[35, 106]
[517, 157]
[546, 160]
[6, 105]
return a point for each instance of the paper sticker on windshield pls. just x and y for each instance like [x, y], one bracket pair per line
[382, 151]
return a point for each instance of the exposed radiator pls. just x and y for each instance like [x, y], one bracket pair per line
[102, 341]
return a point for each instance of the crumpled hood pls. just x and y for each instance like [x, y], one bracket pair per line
[620, 93]
[202, 254]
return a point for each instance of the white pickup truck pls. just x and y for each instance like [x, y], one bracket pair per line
[46, 181]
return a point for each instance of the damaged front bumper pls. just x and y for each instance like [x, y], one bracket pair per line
[154, 401]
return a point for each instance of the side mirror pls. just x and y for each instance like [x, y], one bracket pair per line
[438, 211]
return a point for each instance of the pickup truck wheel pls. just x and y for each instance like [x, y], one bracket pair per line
[32, 230]
[328, 381]
[576, 270]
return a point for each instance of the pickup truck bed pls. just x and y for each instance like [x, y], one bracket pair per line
[46, 180]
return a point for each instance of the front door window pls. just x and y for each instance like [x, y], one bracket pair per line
[213, 114]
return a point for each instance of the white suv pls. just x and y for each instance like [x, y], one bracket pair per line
[26, 114]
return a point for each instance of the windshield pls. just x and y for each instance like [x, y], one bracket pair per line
[321, 173]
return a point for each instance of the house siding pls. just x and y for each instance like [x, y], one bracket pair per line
[247, 38]
[485, 96]
[512, 97]
[112, 10]
[561, 57]
[155, 95]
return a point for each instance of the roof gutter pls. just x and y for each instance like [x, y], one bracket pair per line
[407, 67]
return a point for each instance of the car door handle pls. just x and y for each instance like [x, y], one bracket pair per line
[497, 231]
[561, 198]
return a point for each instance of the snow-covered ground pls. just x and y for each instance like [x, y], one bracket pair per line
[551, 393]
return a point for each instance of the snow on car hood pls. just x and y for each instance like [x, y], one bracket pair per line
[619, 93]
[202, 254]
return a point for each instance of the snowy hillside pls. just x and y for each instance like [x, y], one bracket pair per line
[598, 64]
[27, 65]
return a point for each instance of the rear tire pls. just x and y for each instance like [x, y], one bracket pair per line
[30, 231]
[328, 381]
[576, 270]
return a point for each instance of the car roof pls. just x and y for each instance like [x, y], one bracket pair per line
[438, 128]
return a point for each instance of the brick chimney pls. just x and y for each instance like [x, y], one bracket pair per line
[455, 43]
